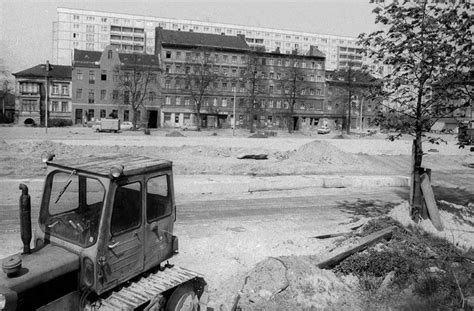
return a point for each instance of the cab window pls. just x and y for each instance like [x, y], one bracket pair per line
[158, 198]
[126, 212]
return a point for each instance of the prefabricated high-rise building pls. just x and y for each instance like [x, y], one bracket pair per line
[94, 30]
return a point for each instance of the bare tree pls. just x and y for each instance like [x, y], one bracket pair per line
[136, 81]
[293, 84]
[348, 83]
[200, 75]
[253, 77]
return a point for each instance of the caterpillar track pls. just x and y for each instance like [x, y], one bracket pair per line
[150, 288]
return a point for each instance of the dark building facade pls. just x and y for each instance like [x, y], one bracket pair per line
[230, 90]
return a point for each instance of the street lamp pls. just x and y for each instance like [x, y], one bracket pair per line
[233, 128]
[48, 68]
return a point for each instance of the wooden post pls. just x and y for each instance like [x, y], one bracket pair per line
[431, 202]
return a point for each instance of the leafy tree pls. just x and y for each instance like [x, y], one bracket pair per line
[136, 82]
[429, 47]
[200, 75]
[293, 84]
[253, 77]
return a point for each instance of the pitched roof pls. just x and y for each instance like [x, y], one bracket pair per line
[92, 59]
[138, 59]
[38, 71]
[197, 40]
[86, 58]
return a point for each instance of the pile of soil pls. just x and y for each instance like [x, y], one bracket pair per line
[295, 283]
[321, 152]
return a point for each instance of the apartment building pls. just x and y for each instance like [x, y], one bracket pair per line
[33, 84]
[94, 30]
[97, 94]
[229, 92]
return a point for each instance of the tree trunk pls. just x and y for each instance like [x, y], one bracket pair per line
[416, 208]
[134, 121]
[198, 120]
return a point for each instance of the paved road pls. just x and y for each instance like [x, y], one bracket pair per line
[278, 204]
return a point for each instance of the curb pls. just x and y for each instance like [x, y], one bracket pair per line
[221, 184]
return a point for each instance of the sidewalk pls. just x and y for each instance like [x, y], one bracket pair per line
[230, 184]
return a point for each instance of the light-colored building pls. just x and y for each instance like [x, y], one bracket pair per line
[32, 99]
[94, 30]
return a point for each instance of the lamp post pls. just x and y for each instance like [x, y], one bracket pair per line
[48, 68]
[233, 128]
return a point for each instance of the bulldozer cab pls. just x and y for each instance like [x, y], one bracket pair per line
[117, 213]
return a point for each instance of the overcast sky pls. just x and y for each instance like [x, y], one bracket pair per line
[26, 25]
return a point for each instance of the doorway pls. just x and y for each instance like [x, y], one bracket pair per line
[78, 116]
[152, 119]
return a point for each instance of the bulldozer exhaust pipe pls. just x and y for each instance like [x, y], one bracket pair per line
[25, 218]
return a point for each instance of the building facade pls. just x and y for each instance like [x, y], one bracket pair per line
[33, 84]
[94, 30]
[98, 92]
[229, 90]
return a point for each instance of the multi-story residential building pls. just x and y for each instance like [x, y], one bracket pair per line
[94, 30]
[33, 84]
[363, 108]
[230, 57]
[97, 92]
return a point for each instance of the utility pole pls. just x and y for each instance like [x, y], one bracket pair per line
[48, 68]
[349, 78]
[233, 127]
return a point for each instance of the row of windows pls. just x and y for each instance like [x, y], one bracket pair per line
[60, 89]
[115, 95]
[90, 114]
[233, 59]
[29, 88]
[225, 102]
[104, 74]
[55, 106]
[60, 106]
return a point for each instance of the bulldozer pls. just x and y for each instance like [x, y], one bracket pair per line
[102, 241]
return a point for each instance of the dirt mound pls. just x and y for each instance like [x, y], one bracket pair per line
[294, 283]
[174, 134]
[321, 152]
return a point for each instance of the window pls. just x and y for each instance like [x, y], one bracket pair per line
[91, 77]
[271, 88]
[167, 100]
[54, 106]
[55, 89]
[178, 55]
[151, 96]
[270, 103]
[234, 59]
[186, 101]
[178, 100]
[102, 113]
[78, 93]
[167, 84]
[91, 97]
[79, 74]
[65, 107]
[224, 102]
[126, 212]
[75, 17]
[126, 97]
[102, 94]
[126, 115]
[90, 114]
[103, 74]
[65, 90]
[168, 54]
[115, 94]
[28, 105]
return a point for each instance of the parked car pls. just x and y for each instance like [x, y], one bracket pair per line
[189, 127]
[324, 130]
[126, 126]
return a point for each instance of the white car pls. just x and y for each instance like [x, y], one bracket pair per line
[126, 126]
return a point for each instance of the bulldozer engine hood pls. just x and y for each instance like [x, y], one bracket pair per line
[40, 267]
